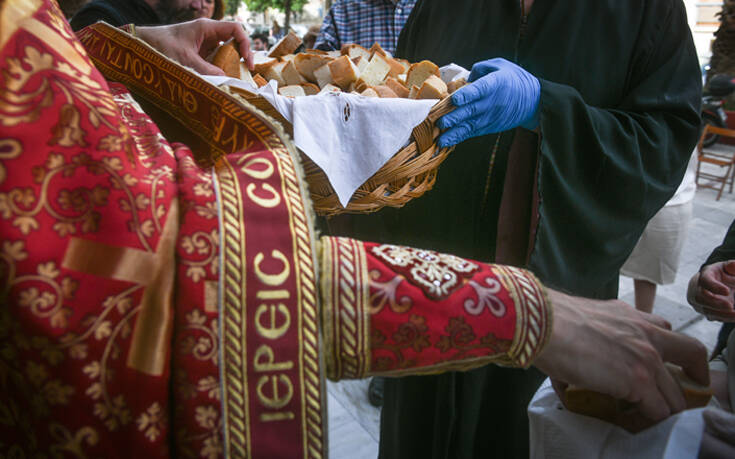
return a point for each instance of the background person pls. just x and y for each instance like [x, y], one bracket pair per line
[259, 41]
[655, 258]
[364, 22]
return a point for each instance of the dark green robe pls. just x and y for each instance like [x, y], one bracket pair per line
[619, 117]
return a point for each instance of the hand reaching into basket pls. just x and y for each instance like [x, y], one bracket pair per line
[502, 96]
[190, 42]
[711, 291]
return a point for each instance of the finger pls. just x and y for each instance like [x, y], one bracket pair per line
[707, 281]
[455, 135]
[481, 69]
[460, 115]
[652, 403]
[656, 320]
[708, 299]
[730, 267]
[670, 390]
[204, 67]
[718, 315]
[687, 352]
[474, 91]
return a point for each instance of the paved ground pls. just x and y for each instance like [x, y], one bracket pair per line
[353, 423]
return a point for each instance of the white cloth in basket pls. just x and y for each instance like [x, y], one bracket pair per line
[349, 137]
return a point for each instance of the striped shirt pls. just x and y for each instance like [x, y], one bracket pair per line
[364, 22]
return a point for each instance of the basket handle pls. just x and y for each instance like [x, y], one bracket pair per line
[424, 134]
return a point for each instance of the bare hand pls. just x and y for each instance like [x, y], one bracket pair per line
[711, 290]
[609, 347]
[190, 42]
[718, 438]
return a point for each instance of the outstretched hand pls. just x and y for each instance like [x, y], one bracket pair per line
[711, 291]
[502, 96]
[190, 42]
[609, 347]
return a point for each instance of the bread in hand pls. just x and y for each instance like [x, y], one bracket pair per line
[625, 414]
[227, 58]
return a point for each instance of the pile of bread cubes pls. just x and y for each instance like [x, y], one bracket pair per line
[369, 72]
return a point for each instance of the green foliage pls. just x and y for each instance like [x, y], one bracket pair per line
[261, 5]
[231, 6]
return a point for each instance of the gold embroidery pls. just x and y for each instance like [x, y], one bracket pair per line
[152, 421]
[72, 444]
[202, 244]
[9, 149]
[385, 292]
[203, 347]
[148, 349]
[345, 309]
[436, 273]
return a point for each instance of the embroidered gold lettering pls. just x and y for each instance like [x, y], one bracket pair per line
[272, 330]
[258, 174]
[282, 416]
[272, 280]
[275, 400]
[264, 360]
[268, 203]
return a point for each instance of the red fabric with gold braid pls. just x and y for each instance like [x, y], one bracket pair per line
[151, 307]
[113, 267]
[393, 310]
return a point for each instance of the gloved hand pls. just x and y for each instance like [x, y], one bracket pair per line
[501, 96]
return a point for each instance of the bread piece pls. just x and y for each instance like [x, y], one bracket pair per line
[264, 67]
[352, 50]
[259, 80]
[286, 45]
[310, 89]
[361, 63]
[245, 74]
[413, 91]
[307, 63]
[314, 51]
[432, 88]
[334, 54]
[376, 71]
[396, 68]
[275, 72]
[377, 49]
[330, 88]
[369, 92]
[402, 78]
[343, 71]
[419, 72]
[385, 91]
[406, 65]
[290, 75]
[456, 84]
[626, 414]
[360, 85]
[291, 91]
[398, 88]
[228, 59]
[323, 76]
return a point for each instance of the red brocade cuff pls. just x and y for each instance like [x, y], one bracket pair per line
[392, 310]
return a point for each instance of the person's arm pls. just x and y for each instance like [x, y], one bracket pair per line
[392, 311]
[190, 42]
[603, 170]
[328, 39]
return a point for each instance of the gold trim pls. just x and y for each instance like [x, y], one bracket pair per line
[533, 314]
[346, 308]
[235, 404]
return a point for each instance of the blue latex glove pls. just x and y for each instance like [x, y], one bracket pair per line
[501, 96]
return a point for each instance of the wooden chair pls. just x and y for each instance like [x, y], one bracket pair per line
[719, 155]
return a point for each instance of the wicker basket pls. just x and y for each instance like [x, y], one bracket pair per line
[408, 174]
